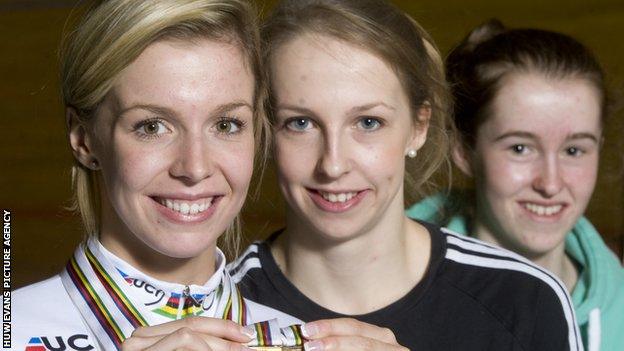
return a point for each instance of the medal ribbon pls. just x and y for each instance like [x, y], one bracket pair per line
[98, 291]
[269, 333]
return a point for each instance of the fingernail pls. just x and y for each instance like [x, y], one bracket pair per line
[247, 348]
[309, 330]
[249, 331]
[314, 345]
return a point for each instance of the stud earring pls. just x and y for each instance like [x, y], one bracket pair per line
[94, 165]
[412, 153]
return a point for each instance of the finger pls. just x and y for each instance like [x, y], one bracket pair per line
[346, 327]
[218, 344]
[347, 343]
[182, 339]
[220, 328]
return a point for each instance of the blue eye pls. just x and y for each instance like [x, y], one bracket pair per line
[299, 124]
[369, 123]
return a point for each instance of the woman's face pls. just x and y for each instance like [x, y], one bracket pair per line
[343, 127]
[174, 140]
[536, 161]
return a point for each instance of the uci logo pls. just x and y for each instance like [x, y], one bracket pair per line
[78, 342]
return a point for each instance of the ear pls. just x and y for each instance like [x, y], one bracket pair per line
[420, 128]
[462, 159]
[79, 139]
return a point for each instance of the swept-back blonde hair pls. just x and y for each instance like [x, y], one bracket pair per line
[113, 33]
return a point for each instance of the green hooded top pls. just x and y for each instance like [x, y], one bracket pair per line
[599, 293]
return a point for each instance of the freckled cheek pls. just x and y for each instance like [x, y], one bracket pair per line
[384, 161]
[237, 168]
[135, 168]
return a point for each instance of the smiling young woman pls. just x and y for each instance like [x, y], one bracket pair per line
[530, 109]
[358, 101]
[164, 112]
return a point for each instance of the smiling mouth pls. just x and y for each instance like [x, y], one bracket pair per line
[186, 207]
[337, 197]
[541, 210]
[336, 202]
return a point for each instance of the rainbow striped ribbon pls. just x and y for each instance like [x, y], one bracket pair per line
[269, 334]
[98, 291]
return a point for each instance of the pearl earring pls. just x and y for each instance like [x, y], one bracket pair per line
[95, 165]
[412, 153]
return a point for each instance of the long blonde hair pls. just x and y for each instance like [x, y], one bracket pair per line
[113, 33]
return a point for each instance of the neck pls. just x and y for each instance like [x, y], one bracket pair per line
[556, 260]
[560, 264]
[338, 274]
[186, 271]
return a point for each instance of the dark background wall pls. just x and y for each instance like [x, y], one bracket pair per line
[35, 159]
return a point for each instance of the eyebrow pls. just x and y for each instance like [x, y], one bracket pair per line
[353, 110]
[528, 135]
[370, 106]
[161, 110]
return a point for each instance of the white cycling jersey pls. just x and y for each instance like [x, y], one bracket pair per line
[98, 300]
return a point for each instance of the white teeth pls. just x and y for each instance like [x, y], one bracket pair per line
[187, 208]
[543, 210]
[339, 197]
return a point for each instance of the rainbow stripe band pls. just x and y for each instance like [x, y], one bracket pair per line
[269, 334]
[263, 335]
[95, 303]
[121, 300]
[99, 291]
[296, 330]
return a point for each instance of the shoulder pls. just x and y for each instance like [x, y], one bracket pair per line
[587, 246]
[43, 314]
[507, 284]
[254, 271]
[38, 296]
[247, 261]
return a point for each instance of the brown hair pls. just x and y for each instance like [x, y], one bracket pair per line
[477, 66]
[378, 27]
[113, 33]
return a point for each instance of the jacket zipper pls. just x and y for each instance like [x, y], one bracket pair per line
[186, 293]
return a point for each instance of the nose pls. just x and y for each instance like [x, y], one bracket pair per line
[334, 160]
[549, 181]
[193, 161]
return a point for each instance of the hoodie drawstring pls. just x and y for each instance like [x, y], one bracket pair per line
[593, 330]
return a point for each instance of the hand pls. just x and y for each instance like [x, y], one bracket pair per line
[192, 333]
[348, 334]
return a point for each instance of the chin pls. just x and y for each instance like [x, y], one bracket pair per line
[541, 243]
[337, 232]
[183, 246]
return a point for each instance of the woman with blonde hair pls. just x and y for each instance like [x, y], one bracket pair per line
[164, 111]
[358, 102]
